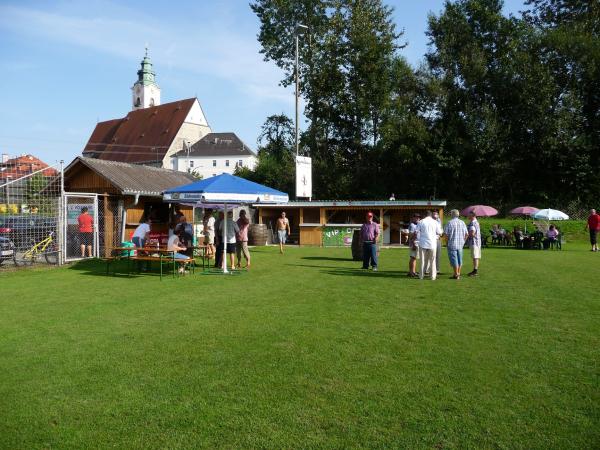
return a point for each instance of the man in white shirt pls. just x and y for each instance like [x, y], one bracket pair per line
[209, 233]
[429, 231]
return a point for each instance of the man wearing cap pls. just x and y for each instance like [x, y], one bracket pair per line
[429, 232]
[369, 233]
[474, 243]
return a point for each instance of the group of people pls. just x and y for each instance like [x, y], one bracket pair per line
[236, 238]
[424, 241]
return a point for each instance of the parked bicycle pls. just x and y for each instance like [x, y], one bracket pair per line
[46, 247]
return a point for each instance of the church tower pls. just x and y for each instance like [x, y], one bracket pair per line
[146, 92]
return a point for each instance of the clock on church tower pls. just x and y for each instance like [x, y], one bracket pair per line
[146, 92]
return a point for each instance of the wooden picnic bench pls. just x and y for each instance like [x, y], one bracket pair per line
[148, 254]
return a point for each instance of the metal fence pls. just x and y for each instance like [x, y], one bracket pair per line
[30, 213]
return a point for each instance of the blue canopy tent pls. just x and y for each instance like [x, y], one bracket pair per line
[226, 190]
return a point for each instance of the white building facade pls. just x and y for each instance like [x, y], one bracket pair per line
[214, 154]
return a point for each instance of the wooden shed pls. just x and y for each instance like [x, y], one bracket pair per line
[331, 223]
[126, 194]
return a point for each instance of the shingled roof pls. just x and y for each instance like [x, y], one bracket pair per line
[218, 144]
[133, 178]
[143, 136]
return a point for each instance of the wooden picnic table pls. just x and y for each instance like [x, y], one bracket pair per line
[164, 257]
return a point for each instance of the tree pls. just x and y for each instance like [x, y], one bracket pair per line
[346, 70]
[276, 164]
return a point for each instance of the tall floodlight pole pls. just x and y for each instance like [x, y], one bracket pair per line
[299, 29]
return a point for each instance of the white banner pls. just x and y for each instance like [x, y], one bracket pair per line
[303, 176]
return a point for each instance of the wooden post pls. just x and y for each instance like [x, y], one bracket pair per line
[260, 216]
[109, 232]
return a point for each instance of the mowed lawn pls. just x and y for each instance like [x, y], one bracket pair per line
[305, 351]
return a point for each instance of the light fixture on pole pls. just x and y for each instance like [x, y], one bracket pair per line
[300, 29]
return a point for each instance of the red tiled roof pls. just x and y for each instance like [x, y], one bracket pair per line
[24, 165]
[144, 135]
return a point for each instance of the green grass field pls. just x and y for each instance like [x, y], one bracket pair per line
[306, 351]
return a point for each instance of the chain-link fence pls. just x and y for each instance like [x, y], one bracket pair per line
[30, 211]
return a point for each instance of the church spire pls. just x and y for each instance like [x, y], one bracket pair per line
[146, 92]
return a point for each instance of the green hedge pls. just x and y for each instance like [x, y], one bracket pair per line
[572, 230]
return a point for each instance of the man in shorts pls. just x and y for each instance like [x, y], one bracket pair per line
[593, 224]
[86, 231]
[457, 234]
[474, 243]
[209, 233]
[413, 245]
[283, 230]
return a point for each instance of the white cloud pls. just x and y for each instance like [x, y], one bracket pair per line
[213, 47]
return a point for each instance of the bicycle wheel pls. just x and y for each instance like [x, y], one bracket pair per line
[51, 254]
[24, 258]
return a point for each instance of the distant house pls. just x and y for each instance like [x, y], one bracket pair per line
[14, 168]
[15, 171]
[214, 154]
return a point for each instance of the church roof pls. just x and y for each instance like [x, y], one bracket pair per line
[143, 136]
[218, 144]
[131, 179]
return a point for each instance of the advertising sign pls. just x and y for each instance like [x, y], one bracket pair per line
[338, 236]
[303, 176]
[74, 209]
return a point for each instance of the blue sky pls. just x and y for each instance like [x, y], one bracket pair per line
[67, 64]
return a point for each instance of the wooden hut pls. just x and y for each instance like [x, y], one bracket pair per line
[126, 194]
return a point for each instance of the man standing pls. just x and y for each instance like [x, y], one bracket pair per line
[283, 230]
[429, 232]
[241, 245]
[209, 233]
[474, 243]
[231, 232]
[413, 245]
[593, 224]
[86, 231]
[219, 240]
[457, 234]
[438, 253]
[369, 233]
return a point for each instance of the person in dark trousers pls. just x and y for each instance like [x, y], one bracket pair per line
[593, 224]
[369, 234]
[219, 240]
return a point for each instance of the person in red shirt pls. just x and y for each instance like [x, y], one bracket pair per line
[593, 224]
[86, 231]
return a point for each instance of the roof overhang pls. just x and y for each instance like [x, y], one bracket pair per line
[361, 204]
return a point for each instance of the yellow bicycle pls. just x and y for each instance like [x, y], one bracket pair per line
[46, 247]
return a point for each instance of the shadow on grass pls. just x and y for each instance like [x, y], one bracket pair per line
[367, 273]
[117, 269]
[326, 258]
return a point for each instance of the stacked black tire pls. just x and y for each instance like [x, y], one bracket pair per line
[258, 234]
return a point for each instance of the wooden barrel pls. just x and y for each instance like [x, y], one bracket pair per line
[258, 234]
[357, 248]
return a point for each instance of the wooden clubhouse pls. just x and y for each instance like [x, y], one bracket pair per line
[331, 223]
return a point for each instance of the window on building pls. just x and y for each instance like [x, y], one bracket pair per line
[191, 163]
[226, 163]
[214, 163]
[240, 163]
